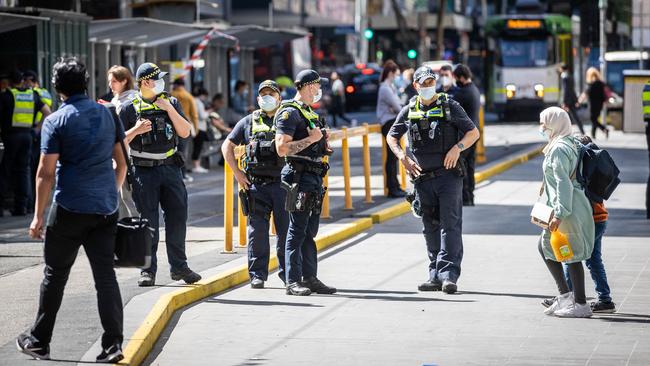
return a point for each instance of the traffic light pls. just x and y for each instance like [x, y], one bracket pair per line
[412, 54]
[368, 33]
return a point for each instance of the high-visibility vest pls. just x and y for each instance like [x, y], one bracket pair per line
[24, 104]
[161, 142]
[646, 101]
[46, 98]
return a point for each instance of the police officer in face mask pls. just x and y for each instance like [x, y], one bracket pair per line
[262, 193]
[301, 138]
[438, 131]
[154, 121]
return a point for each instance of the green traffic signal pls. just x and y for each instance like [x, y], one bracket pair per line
[368, 33]
[412, 54]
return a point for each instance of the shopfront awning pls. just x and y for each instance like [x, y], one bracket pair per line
[254, 36]
[146, 32]
[10, 22]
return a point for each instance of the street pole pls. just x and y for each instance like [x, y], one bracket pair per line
[360, 25]
[198, 11]
[271, 14]
[602, 5]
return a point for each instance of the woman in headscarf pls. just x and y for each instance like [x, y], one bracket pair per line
[572, 213]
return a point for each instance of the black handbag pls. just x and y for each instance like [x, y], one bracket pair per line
[134, 238]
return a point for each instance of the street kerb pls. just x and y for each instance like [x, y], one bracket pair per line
[145, 337]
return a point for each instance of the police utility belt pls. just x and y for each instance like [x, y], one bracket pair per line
[426, 175]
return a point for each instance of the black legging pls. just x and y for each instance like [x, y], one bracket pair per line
[573, 115]
[576, 274]
[595, 113]
[199, 139]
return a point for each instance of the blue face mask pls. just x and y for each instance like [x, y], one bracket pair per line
[542, 132]
[427, 93]
[268, 103]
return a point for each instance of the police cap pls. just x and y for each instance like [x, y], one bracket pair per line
[148, 71]
[307, 77]
[423, 73]
[268, 84]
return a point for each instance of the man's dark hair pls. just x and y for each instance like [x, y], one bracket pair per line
[239, 84]
[198, 91]
[70, 77]
[217, 96]
[445, 67]
[462, 71]
[179, 82]
[16, 77]
[564, 67]
[30, 74]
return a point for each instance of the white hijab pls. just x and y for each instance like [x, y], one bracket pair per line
[558, 122]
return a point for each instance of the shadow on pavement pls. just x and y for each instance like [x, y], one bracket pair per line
[398, 298]
[624, 318]
[528, 296]
[346, 291]
[257, 302]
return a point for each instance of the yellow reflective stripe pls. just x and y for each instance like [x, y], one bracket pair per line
[170, 152]
[24, 104]
[147, 106]
[310, 116]
[500, 90]
[552, 90]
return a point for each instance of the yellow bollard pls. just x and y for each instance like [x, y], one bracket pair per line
[345, 155]
[480, 144]
[384, 152]
[241, 222]
[325, 211]
[227, 209]
[402, 171]
[366, 164]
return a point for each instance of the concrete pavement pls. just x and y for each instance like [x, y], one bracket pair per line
[379, 317]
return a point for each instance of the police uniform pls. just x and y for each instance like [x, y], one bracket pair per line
[646, 118]
[265, 195]
[159, 181]
[18, 109]
[302, 177]
[432, 131]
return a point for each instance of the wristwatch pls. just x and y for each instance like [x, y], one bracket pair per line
[460, 146]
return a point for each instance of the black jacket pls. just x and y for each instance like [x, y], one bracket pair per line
[569, 96]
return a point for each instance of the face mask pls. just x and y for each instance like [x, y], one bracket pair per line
[268, 103]
[445, 80]
[398, 82]
[542, 132]
[318, 95]
[159, 87]
[427, 93]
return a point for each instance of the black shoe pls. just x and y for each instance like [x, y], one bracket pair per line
[147, 279]
[431, 285]
[257, 283]
[449, 287]
[315, 285]
[112, 354]
[548, 302]
[29, 345]
[603, 307]
[296, 289]
[186, 275]
[397, 194]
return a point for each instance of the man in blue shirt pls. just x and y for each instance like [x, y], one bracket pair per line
[79, 143]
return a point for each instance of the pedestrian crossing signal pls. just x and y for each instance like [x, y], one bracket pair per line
[412, 54]
[368, 33]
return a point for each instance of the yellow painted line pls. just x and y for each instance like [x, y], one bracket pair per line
[145, 337]
[503, 166]
[390, 212]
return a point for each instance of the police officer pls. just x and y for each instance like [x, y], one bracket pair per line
[438, 131]
[302, 139]
[262, 193]
[646, 118]
[31, 82]
[154, 122]
[18, 108]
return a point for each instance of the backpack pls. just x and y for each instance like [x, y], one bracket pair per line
[597, 173]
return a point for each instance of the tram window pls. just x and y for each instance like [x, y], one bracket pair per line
[525, 53]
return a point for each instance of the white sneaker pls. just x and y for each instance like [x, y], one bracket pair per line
[200, 170]
[561, 302]
[575, 310]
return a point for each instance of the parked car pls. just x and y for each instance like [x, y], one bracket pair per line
[361, 85]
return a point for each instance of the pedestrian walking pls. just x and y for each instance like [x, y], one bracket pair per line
[572, 213]
[338, 100]
[188, 105]
[154, 122]
[19, 107]
[200, 98]
[646, 118]
[469, 97]
[595, 93]
[388, 106]
[569, 100]
[302, 140]
[79, 143]
[260, 180]
[120, 81]
[439, 131]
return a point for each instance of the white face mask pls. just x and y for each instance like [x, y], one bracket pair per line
[427, 93]
[445, 81]
[318, 95]
[268, 103]
[546, 135]
[159, 87]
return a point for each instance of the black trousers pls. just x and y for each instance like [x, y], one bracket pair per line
[199, 139]
[468, 180]
[338, 107]
[573, 115]
[391, 162]
[14, 169]
[62, 241]
[594, 114]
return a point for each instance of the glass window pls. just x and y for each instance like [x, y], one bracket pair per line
[524, 53]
